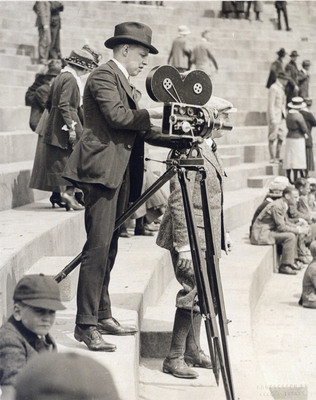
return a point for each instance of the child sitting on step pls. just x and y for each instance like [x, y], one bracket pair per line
[26, 333]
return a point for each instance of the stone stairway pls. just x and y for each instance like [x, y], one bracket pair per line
[36, 238]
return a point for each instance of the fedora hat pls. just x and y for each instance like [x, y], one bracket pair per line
[294, 53]
[281, 52]
[131, 32]
[81, 58]
[297, 103]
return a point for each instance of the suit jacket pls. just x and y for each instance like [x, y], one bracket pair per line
[173, 230]
[276, 67]
[113, 134]
[42, 9]
[64, 107]
[293, 71]
[273, 218]
[203, 58]
[17, 346]
[180, 53]
[303, 83]
[276, 105]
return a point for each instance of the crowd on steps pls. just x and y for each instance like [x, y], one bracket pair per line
[90, 157]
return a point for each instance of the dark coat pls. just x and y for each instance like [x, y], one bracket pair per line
[180, 53]
[38, 104]
[17, 346]
[276, 67]
[303, 83]
[292, 85]
[113, 134]
[64, 107]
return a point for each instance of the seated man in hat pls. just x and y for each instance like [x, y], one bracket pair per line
[272, 226]
[26, 333]
[107, 164]
[276, 116]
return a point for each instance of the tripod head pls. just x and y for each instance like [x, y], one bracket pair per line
[186, 114]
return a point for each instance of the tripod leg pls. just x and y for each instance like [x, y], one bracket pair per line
[171, 171]
[202, 283]
[214, 277]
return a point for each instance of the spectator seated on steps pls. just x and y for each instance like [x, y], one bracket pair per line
[312, 194]
[276, 188]
[272, 226]
[26, 333]
[308, 298]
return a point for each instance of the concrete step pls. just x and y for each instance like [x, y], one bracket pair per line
[16, 77]
[51, 266]
[286, 340]
[29, 233]
[252, 267]
[261, 181]
[14, 118]
[18, 145]
[230, 160]
[237, 176]
[14, 61]
[256, 152]
[11, 96]
[14, 185]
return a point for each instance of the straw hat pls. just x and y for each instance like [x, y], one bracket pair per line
[297, 103]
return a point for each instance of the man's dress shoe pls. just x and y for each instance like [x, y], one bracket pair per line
[110, 326]
[178, 368]
[93, 339]
[199, 359]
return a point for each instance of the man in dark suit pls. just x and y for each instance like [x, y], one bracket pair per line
[276, 67]
[107, 164]
[292, 70]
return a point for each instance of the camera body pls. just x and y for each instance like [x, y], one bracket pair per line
[188, 120]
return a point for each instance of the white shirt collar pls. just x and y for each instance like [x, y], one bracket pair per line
[122, 68]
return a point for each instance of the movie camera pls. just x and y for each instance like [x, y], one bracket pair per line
[186, 114]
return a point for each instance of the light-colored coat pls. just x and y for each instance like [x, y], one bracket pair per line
[273, 218]
[173, 230]
[276, 110]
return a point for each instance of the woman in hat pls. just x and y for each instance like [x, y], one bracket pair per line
[295, 154]
[64, 125]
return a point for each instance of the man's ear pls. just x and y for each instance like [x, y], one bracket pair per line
[17, 311]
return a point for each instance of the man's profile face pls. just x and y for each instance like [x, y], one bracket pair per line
[292, 197]
[136, 59]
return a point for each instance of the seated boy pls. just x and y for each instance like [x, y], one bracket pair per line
[36, 299]
[308, 298]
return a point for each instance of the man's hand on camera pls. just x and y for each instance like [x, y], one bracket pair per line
[184, 263]
[156, 112]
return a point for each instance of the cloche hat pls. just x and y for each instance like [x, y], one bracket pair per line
[281, 52]
[132, 32]
[183, 30]
[81, 58]
[294, 54]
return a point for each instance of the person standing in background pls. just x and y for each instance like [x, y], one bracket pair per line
[202, 56]
[292, 70]
[303, 79]
[281, 7]
[42, 10]
[55, 8]
[276, 116]
[180, 53]
[276, 67]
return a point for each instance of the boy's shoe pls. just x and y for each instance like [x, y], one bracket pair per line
[199, 359]
[287, 269]
[178, 368]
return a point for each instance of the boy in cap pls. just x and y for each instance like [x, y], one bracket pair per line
[26, 333]
[308, 298]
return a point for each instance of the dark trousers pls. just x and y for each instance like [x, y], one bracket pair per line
[288, 241]
[103, 206]
[54, 51]
[284, 10]
[43, 44]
